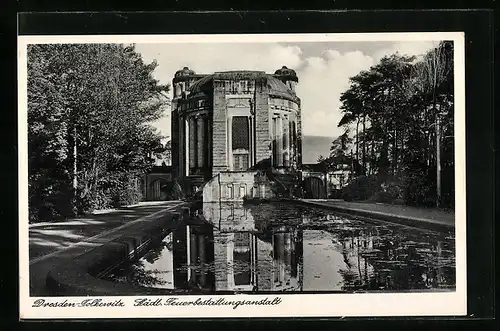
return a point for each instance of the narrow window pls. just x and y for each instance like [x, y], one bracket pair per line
[240, 142]
[242, 258]
[262, 191]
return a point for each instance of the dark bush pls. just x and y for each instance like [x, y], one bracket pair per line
[420, 189]
[49, 200]
[127, 191]
[390, 192]
[383, 197]
[335, 194]
[361, 188]
[119, 189]
[394, 190]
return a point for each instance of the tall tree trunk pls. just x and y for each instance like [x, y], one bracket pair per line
[383, 163]
[438, 160]
[395, 112]
[75, 172]
[364, 145]
[395, 152]
[357, 142]
[372, 164]
[438, 135]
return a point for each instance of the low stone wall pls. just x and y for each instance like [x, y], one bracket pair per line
[373, 215]
[79, 276]
[235, 186]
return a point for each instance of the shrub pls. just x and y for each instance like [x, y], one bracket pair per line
[49, 200]
[335, 194]
[394, 190]
[116, 190]
[361, 188]
[420, 190]
[382, 196]
[389, 192]
[127, 191]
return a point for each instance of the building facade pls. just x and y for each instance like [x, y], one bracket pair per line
[156, 183]
[233, 121]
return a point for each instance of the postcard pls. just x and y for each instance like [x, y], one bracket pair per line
[240, 175]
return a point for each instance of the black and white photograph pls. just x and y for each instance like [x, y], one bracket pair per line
[242, 175]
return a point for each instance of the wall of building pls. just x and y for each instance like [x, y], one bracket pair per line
[202, 124]
[155, 183]
[314, 185]
[236, 186]
[271, 264]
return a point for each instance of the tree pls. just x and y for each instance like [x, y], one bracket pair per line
[352, 108]
[92, 104]
[340, 145]
[396, 103]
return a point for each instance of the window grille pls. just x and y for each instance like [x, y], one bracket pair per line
[229, 192]
[240, 132]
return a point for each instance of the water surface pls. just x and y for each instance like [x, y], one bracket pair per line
[281, 247]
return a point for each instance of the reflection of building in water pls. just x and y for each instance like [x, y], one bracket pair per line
[235, 261]
[248, 258]
[245, 261]
[233, 121]
[193, 253]
[229, 217]
[287, 253]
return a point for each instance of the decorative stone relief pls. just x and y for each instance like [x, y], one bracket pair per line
[238, 103]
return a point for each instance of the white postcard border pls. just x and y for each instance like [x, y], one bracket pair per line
[291, 305]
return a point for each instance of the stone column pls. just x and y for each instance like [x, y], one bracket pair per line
[193, 251]
[250, 143]
[175, 143]
[291, 144]
[218, 130]
[192, 142]
[209, 143]
[274, 139]
[186, 145]
[202, 258]
[298, 130]
[230, 261]
[230, 143]
[261, 122]
[279, 256]
[201, 141]
[286, 143]
[279, 138]
[188, 252]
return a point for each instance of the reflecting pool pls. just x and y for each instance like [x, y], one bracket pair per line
[277, 247]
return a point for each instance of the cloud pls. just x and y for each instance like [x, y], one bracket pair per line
[406, 48]
[207, 58]
[323, 74]
[321, 81]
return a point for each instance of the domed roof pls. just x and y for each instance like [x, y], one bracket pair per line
[184, 72]
[200, 84]
[284, 71]
[278, 88]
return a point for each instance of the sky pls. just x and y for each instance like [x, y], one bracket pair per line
[323, 69]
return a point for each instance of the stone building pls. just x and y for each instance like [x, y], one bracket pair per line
[234, 121]
[156, 182]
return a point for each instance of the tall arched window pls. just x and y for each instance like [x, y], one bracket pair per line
[240, 142]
